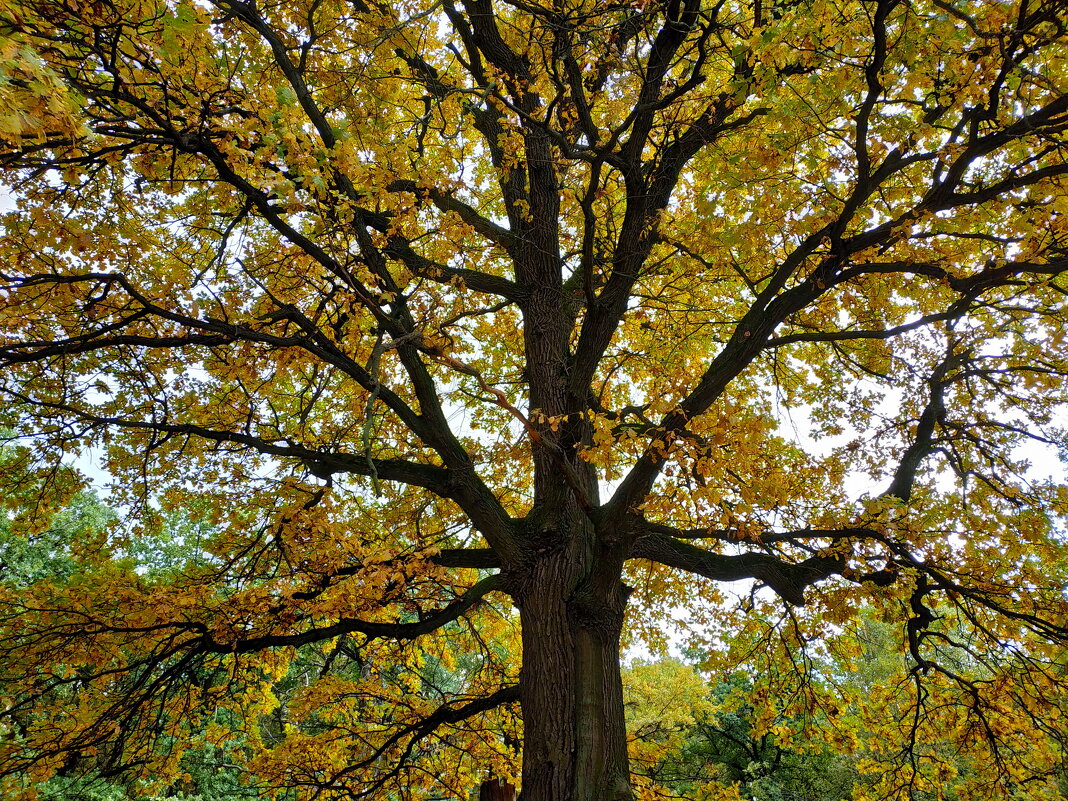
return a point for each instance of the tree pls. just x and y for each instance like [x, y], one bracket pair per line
[443, 307]
[689, 737]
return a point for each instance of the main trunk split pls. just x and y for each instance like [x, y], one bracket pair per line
[575, 741]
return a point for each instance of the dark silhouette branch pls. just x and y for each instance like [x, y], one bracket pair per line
[370, 629]
[788, 580]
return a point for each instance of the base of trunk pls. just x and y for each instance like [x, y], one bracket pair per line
[496, 790]
[574, 732]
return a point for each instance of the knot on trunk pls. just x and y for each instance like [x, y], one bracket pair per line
[599, 612]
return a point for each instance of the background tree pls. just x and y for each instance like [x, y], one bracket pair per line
[734, 729]
[438, 308]
[691, 738]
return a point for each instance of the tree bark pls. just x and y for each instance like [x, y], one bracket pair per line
[496, 790]
[575, 743]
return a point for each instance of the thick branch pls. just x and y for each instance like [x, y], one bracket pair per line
[788, 580]
[447, 202]
[400, 249]
[481, 558]
[646, 198]
[924, 439]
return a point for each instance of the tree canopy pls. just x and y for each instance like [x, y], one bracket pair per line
[474, 339]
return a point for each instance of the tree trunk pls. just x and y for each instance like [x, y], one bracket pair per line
[496, 790]
[574, 735]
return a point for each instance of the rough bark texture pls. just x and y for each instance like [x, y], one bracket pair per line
[575, 743]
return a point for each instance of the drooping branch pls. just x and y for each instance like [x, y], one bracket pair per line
[476, 558]
[212, 333]
[370, 629]
[319, 462]
[175, 653]
[444, 715]
[83, 624]
[734, 536]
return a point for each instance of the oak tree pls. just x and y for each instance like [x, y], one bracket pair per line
[444, 308]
